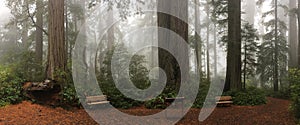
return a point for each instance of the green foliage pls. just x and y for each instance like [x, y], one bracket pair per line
[137, 72]
[10, 87]
[294, 79]
[283, 93]
[250, 49]
[251, 96]
[268, 50]
[69, 96]
[220, 17]
[202, 93]
[159, 101]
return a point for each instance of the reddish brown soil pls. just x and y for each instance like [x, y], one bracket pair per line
[274, 113]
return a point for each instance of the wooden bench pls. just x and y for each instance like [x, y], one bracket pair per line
[96, 100]
[180, 100]
[223, 100]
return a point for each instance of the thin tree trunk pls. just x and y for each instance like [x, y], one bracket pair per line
[245, 65]
[276, 49]
[215, 52]
[66, 32]
[198, 43]
[207, 44]
[111, 31]
[298, 33]
[39, 32]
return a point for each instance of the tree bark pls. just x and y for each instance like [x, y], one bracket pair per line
[56, 46]
[233, 73]
[198, 43]
[207, 43]
[215, 52]
[39, 32]
[298, 12]
[179, 8]
[111, 32]
[293, 46]
[275, 77]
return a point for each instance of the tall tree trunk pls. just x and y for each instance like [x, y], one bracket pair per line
[39, 32]
[275, 77]
[25, 31]
[245, 65]
[66, 32]
[56, 46]
[233, 73]
[198, 42]
[207, 43]
[298, 12]
[293, 46]
[24, 36]
[179, 8]
[215, 52]
[111, 31]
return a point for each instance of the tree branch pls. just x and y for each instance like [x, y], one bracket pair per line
[34, 23]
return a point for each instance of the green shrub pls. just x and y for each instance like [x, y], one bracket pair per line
[251, 96]
[116, 98]
[69, 96]
[202, 93]
[159, 101]
[138, 75]
[10, 87]
[294, 79]
[281, 94]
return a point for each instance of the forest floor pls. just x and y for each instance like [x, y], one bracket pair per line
[275, 112]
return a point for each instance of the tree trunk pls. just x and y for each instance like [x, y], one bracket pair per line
[39, 32]
[56, 46]
[167, 62]
[198, 42]
[215, 52]
[275, 77]
[66, 32]
[298, 12]
[293, 46]
[24, 36]
[233, 73]
[207, 43]
[111, 31]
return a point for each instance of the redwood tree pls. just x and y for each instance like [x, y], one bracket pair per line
[293, 35]
[178, 8]
[56, 44]
[233, 73]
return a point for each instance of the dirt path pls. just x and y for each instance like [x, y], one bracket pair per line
[274, 113]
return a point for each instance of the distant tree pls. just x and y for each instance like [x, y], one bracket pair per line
[249, 52]
[208, 23]
[273, 51]
[198, 41]
[220, 18]
[39, 32]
